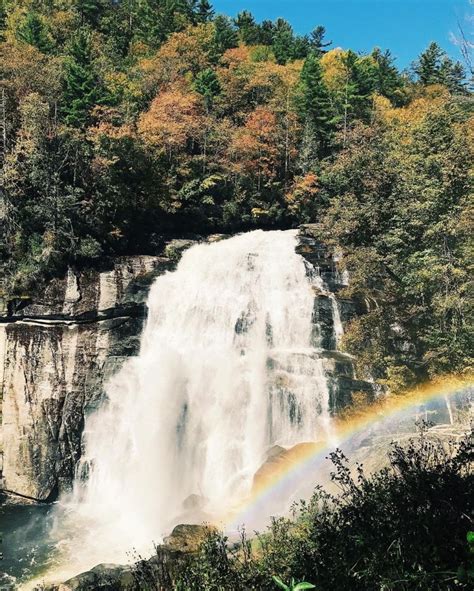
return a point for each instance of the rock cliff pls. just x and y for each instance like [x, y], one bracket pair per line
[55, 354]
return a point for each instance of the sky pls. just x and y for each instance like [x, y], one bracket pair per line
[405, 27]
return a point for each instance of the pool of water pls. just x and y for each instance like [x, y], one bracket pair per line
[26, 547]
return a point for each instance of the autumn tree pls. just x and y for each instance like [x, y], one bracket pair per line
[171, 121]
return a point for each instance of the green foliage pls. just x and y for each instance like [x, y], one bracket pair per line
[317, 42]
[225, 36]
[81, 91]
[293, 586]
[32, 30]
[315, 106]
[207, 84]
[435, 67]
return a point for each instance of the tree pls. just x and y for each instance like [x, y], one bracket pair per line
[388, 81]
[204, 11]
[81, 91]
[247, 28]
[283, 42]
[428, 66]
[171, 121]
[315, 108]
[225, 35]
[435, 67]
[89, 10]
[33, 31]
[207, 84]
[316, 40]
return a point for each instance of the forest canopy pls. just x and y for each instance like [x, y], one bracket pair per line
[124, 122]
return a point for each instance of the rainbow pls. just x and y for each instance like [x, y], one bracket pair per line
[301, 462]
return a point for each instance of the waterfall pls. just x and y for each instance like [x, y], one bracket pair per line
[228, 368]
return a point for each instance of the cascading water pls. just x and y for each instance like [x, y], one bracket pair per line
[228, 368]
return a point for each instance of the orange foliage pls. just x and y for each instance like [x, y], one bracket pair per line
[254, 147]
[187, 51]
[173, 119]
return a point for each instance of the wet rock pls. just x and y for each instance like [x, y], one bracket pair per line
[159, 572]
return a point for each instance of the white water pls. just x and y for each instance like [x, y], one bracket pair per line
[226, 371]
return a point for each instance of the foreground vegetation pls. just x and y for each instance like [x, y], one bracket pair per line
[406, 528]
[123, 123]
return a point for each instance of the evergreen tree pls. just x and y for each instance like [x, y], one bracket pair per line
[89, 10]
[435, 67]
[247, 27]
[207, 84]
[3, 18]
[34, 32]
[81, 91]
[267, 32]
[225, 36]
[428, 65]
[452, 75]
[316, 40]
[283, 42]
[204, 11]
[315, 107]
[388, 80]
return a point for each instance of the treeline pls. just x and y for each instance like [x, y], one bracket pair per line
[124, 122]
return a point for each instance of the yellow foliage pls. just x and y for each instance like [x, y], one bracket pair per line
[334, 70]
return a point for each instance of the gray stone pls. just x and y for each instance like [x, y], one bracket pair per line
[57, 352]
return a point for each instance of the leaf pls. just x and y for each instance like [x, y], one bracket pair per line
[301, 586]
[281, 584]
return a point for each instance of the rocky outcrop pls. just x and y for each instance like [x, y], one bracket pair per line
[57, 351]
[331, 313]
[159, 572]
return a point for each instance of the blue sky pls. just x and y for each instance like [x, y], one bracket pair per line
[403, 26]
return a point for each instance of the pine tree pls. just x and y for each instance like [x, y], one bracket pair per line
[204, 11]
[315, 106]
[247, 27]
[428, 66]
[34, 32]
[452, 74]
[316, 40]
[225, 36]
[388, 80]
[283, 42]
[435, 67]
[81, 91]
[3, 19]
[207, 84]
[89, 10]
[267, 32]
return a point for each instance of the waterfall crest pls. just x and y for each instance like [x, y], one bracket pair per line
[228, 368]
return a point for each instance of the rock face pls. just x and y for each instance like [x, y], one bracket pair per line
[56, 353]
[330, 314]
